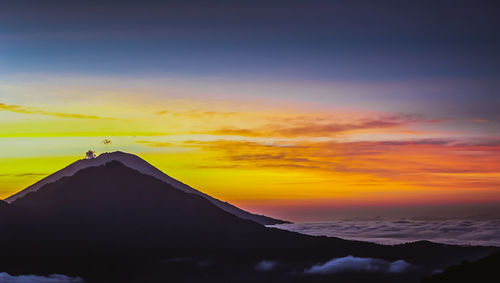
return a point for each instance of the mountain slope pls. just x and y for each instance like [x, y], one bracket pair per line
[112, 199]
[484, 270]
[137, 163]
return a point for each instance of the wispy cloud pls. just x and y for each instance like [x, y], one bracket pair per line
[427, 163]
[311, 126]
[198, 113]
[32, 110]
[23, 175]
[155, 143]
[332, 152]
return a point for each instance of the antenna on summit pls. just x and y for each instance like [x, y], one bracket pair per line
[90, 154]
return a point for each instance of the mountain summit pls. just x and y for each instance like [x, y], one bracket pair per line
[139, 164]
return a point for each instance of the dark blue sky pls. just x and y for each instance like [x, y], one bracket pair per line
[450, 46]
[354, 40]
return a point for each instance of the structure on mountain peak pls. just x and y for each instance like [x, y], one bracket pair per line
[90, 154]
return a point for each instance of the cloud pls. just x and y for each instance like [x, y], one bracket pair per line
[55, 278]
[358, 264]
[399, 266]
[321, 127]
[431, 163]
[479, 120]
[457, 232]
[155, 143]
[197, 113]
[31, 110]
[23, 175]
[266, 265]
[484, 142]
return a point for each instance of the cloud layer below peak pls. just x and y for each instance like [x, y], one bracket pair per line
[458, 232]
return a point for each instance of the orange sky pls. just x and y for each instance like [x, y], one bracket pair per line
[265, 156]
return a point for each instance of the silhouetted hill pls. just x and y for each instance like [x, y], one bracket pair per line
[485, 270]
[117, 206]
[114, 224]
[135, 162]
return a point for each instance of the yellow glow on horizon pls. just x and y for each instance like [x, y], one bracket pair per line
[250, 152]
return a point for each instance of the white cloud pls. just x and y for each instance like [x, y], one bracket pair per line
[358, 264]
[458, 232]
[54, 278]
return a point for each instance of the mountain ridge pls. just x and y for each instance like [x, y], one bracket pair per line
[135, 162]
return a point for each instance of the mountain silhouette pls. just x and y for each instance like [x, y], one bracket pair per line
[484, 270]
[112, 223]
[139, 164]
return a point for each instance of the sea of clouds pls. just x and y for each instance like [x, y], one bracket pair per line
[390, 232]
[55, 278]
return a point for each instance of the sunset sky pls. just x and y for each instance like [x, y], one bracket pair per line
[304, 110]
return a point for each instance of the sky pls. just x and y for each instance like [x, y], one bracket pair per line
[303, 110]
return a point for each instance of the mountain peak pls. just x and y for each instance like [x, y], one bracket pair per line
[135, 162]
[110, 155]
[117, 153]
